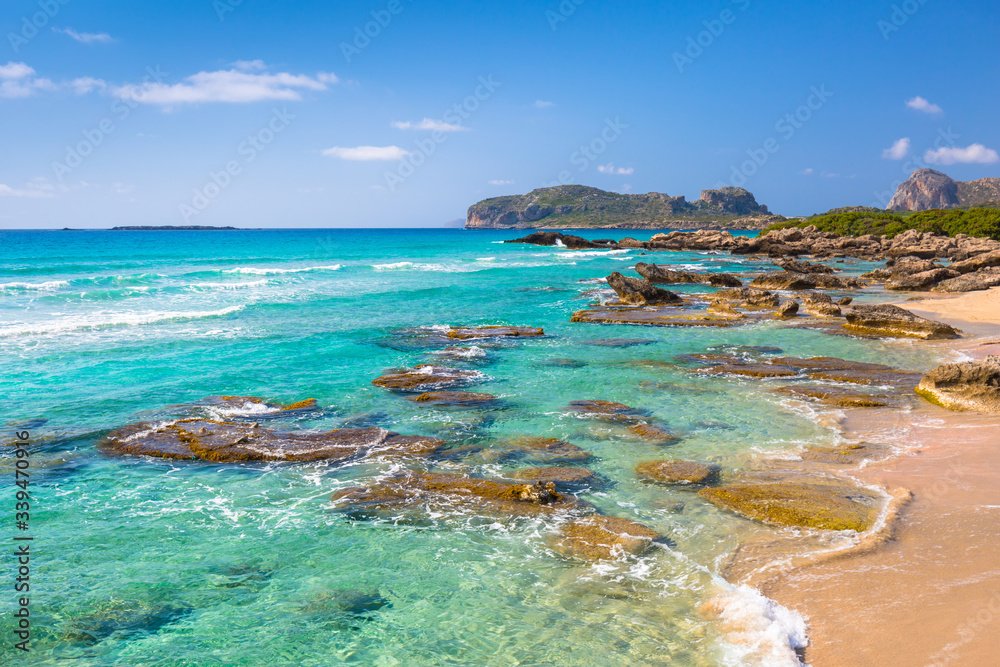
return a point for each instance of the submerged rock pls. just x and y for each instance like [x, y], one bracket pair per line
[653, 316]
[640, 292]
[602, 537]
[606, 410]
[848, 454]
[653, 434]
[456, 493]
[841, 397]
[549, 450]
[556, 475]
[889, 320]
[677, 472]
[124, 619]
[227, 442]
[619, 342]
[465, 333]
[827, 504]
[454, 398]
[426, 377]
[972, 386]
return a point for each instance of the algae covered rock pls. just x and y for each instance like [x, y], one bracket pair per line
[426, 377]
[466, 333]
[827, 504]
[602, 537]
[852, 453]
[548, 450]
[889, 320]
[677, 472]
[227, 442]
[605, 410]
[454, 398]
[972, 386]
[557, 475]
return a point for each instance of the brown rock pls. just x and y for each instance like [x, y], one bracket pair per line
[601, 537]
[826, 504]
[465, 333]
[851, 454]
[889, 320]
[749, 296]
[605, 410]
[549, 450]
[972, 386]
[677, 472]
[426, 377]
[981, 261]
[640, 292]
[788, 309]
[653, 434]
[841, 397]
[556, 475]
[920, 281]
[454, 398]
[227, 442]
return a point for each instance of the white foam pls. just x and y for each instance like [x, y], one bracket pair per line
[228, 286]
[757, 629]
[49, 286]
[468, 353]
[108, 319]
[255, 271]
[247, 409]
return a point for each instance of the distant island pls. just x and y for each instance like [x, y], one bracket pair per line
[582, 207]
[170, 228]
[927, 189]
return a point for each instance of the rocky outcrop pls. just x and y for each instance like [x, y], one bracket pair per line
[970, 282]
[971, 386]
[561, 477]
[561, 240]
[889, 320]
[927, 188]
[228, 442]
[920, 281]
[640, 292]
[454, 398]
[787, 280]
[749, 297]
[664, 276]
[797, 266]
[579, 207]
[788, 309]
[982, 261]
[468, 333]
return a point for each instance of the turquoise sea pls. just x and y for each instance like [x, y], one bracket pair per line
[151, 562]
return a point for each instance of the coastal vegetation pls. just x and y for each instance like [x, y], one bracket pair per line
[980, 222]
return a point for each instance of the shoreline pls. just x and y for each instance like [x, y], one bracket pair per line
[927, 590]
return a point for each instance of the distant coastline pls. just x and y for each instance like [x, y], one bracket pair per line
[171, 228]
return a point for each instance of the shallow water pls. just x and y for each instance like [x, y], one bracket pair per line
[220, 564]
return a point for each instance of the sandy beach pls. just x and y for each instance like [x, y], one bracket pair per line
[930, 595]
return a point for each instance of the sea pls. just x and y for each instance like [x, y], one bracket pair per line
[144, 561]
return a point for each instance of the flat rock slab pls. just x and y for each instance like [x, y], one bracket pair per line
[817, 368]
[656, 316]
[851, 454]
[830, 505]
[547, 450]
[605, 410]
[465, 333]
[893, 321]
[750, 370]
[968, 387]
[426, 377]
[619, 342]
[423, 491]
[454, 398]
[677, 472]
[653, 434]
[226, 442]
[559, 476]
[841, 397]
[602, 537]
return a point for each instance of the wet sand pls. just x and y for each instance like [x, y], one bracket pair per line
[931, 595]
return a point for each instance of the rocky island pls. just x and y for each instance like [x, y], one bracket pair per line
[582, 207]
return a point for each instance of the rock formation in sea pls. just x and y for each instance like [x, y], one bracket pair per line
[972, 386]
[579, 207]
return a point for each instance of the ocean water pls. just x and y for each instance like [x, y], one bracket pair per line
[151, 562]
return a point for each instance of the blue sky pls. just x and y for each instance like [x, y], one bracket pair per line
[273, 114]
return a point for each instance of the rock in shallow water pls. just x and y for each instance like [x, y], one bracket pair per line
[602, 537]
[466, 333]
[677, 472]
[640, 292]
[889, 320]
[558, 476]
[426, 377]
[971, 386]
[226, 442]
[826, 504]
[454, 398]
[606, 411]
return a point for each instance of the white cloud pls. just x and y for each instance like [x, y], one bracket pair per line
[13, 70]
[230, 86]
[367, 153]
[19, 80]
[85, 84]
[920, 104]
[806, 171]
[830, 174]
[250, 65]
[611, 169]
[973, 154]
[429, 124]
[39, 188]
[85, 37]
[498, 182]
[899, 149]
[542, 104]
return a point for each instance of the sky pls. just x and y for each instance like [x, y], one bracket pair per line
[400, 113]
